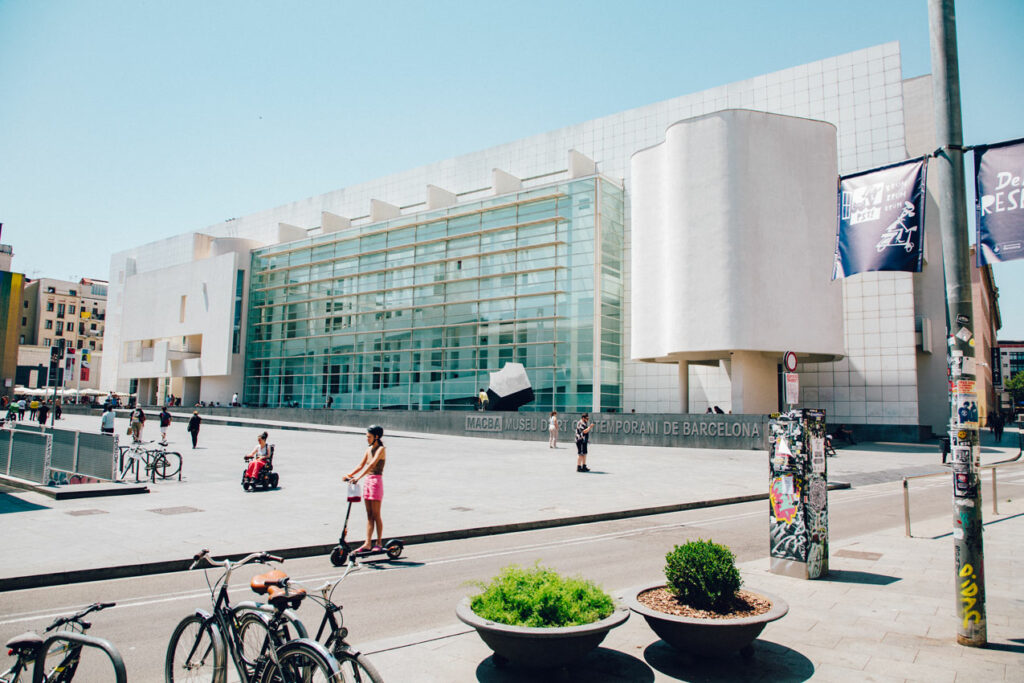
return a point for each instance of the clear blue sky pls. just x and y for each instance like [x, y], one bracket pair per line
[122, 122]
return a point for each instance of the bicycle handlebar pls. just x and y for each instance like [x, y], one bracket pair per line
[261, 557]
[77, 618]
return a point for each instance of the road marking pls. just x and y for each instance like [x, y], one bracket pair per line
[838, 497]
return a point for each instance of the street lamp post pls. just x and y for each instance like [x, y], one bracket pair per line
[948, 175]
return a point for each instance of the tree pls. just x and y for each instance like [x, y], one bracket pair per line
[1015, 385]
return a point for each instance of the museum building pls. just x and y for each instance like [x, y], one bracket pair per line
[661, 259]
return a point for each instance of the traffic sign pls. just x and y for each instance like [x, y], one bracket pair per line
[789, 360]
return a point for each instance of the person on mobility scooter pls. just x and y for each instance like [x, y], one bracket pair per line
[260, 470]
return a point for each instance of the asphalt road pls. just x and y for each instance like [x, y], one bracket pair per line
[419, 592]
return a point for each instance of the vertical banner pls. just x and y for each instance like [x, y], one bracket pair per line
[881, 220]
[86, 359]
[999, 201]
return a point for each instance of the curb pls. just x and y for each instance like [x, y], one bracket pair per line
[165, 566]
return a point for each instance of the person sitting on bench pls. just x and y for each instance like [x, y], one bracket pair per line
[843, 433]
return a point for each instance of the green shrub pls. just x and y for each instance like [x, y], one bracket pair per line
[702, 574]
[540, 597]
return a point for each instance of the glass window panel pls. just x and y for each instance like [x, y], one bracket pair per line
[498, 217]
[430, 252]
[401, 236]
[497, 264]
[401, 257]
[493, 241]
[464, 246]
[464, 224]
[373, 242]
[456, 291]
[431, 231]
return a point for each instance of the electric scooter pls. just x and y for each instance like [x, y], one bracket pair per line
[339, 556]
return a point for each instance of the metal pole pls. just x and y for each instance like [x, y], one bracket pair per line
[995, 494]
[948, 183]
[906, 507]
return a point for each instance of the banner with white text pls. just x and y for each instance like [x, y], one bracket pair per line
[999, 201]
[881, 220]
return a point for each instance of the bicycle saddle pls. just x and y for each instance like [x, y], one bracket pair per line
[262, 582]
[27, 639]
[282, 598]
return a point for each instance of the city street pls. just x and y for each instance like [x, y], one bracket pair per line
[395, 602]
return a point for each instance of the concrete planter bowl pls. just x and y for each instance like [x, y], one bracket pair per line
[539, 648]
[707, 637]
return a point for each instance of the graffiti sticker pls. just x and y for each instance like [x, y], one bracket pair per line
[785, 498]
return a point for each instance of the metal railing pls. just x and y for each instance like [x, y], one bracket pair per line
[25, 455]
[995, 490]
[75, 453]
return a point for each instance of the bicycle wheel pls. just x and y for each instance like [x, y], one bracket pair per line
[156, 465]
[195, 652]
[253, 634]
[356, 668]
[302, 662]
[173, 461]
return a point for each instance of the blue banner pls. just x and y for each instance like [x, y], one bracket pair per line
[999, 201]
[881, 220]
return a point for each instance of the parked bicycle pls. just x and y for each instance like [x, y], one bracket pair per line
[202, 642]
[355, 667]
[154, 463]
[33, 652]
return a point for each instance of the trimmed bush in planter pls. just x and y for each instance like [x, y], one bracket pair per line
[538, 618]
[540, 597]
[702, 574]
[701, 609]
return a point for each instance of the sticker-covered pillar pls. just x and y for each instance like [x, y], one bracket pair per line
[798, 494]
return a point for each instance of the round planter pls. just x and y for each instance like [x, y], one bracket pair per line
[540, 647]
[706, 637]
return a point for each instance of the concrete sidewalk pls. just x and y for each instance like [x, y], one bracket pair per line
[886, 612]
[437, 487]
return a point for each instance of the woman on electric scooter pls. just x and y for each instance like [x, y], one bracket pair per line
[371, 467]
[257, 457]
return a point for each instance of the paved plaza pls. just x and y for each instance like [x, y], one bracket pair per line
[435, 485]
[886, 612]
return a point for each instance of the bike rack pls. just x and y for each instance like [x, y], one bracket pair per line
[995, 495]
[39, 670]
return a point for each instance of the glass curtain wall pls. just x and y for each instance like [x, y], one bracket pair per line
[414, 313]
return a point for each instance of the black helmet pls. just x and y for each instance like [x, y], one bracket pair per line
[376, 430]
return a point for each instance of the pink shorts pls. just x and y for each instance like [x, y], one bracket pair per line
[373, 487]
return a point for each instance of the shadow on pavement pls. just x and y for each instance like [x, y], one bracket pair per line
[771, 662]
[600, 666]
[991, 521]
[9, 503]
[853, 576]
[1005, 647]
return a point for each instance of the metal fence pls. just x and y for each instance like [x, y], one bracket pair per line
[75, 453]
[25, 455]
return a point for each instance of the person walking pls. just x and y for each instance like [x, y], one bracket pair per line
[21, 409]
[997, 423]
[193, 427]
[136, 422]
[583, 428]
[33, 408]
[553, 430]
[234, 399]
[371, 467]
[165, 422]
[107, 420]
[43, 412]
[482, 399]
